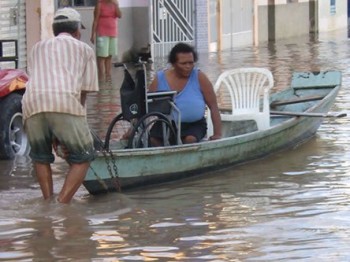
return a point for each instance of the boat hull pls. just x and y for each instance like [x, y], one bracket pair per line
[148, 166]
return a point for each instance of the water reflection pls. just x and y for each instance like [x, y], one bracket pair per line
[47, 235]
[292, 205]
[16, 174]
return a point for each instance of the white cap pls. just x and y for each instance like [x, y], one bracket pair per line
[71, 15]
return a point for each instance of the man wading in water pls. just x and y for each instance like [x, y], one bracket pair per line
[61, 72]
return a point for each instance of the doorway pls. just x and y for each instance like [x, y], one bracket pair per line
[230, 24]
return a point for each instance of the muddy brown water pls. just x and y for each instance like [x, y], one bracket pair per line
[291, 206]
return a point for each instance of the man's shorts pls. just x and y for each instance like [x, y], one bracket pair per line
[106, 46]
[71, 131]
[198, 129]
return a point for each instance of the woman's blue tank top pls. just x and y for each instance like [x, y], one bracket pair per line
[190, 100]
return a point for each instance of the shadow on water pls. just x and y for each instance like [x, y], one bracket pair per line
[288, 206]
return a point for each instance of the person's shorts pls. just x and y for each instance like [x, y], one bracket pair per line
[71, 131]
[106, 46]
[198, 129]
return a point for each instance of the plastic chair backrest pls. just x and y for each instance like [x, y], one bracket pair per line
[244, 93]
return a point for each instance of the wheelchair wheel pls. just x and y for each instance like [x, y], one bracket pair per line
[116, 129]
[141, 134]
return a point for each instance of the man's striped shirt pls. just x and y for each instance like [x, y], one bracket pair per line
[59, 69]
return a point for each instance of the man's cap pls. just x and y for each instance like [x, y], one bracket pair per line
[67, 14]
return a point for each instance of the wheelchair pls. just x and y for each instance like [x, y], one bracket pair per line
[141, 110]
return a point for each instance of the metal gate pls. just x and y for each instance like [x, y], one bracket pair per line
[172, 21]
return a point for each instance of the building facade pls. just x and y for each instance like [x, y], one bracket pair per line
[210, 25]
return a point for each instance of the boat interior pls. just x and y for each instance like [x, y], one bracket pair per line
[245, 103]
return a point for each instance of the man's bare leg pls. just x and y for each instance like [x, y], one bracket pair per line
[44, 176]
[74, 179]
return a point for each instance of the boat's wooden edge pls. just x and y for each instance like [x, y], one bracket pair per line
[295, 100]
[309, 114]
[319, 79]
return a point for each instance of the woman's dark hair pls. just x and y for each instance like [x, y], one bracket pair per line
[181, 48]
[64, 27]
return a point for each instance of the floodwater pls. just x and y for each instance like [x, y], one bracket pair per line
[294, 205]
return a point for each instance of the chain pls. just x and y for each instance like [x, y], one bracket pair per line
[100, 180]
[115, 168]
[112, 173]
[114, 176]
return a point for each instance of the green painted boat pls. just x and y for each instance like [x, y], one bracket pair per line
[296, 114]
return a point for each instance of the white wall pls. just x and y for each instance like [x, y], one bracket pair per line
[134, 27]
[47, 12]
[328, 22]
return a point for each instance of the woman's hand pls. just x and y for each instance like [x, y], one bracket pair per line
[93, 37]
[118, 13]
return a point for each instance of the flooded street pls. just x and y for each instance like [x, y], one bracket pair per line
[293, 205]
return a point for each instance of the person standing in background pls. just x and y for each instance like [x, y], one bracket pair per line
[104, 33]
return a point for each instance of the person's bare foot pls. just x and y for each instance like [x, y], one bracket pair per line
[108, 79]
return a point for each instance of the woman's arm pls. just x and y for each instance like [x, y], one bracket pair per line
[118, 13]
[210, 100]
[95, 22]
[153, 87]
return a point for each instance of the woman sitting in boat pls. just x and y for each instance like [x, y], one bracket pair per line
[194, 92]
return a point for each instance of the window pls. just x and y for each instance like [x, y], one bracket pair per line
[74, 3]
[332, 9]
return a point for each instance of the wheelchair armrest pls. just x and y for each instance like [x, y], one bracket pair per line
[160, 101]
[161, 105]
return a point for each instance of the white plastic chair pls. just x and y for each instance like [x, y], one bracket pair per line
[246, 87]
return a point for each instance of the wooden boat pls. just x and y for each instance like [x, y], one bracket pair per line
[296, 114]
